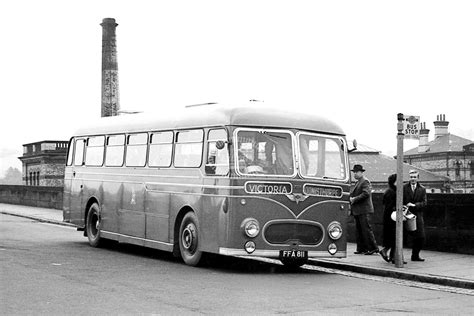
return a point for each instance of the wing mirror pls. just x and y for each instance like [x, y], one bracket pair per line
[354, 146]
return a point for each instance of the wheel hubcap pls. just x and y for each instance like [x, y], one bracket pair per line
[95, 225]
[189, 237]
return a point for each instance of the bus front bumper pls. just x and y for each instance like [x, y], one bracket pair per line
[276, 253]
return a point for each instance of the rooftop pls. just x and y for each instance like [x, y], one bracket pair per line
[211, 115]
[445, 143]
[379, 167]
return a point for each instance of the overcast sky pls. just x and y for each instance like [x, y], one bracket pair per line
[356, 62]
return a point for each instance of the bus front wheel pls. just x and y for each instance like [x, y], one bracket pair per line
[189, 240]
[93, 226]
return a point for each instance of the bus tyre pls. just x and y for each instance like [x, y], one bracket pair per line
[93, 226]
[189, 240]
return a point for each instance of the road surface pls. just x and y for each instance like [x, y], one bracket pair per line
[50, 269]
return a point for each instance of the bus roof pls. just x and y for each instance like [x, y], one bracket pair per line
[210, 115]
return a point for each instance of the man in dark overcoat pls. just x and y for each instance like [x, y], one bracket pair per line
[361, 208]
[414, 196]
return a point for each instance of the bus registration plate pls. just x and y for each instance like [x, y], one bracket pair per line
[293, 254]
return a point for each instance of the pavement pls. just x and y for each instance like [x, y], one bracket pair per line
[442, 268]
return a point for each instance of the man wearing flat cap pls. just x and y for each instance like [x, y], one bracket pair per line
[361, 208]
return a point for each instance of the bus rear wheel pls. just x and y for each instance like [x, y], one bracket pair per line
[93, 226]
[189, 240]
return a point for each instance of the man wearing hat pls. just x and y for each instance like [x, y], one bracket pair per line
[361, 207]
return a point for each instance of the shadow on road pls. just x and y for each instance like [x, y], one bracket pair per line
[225, 264]
[245, 266]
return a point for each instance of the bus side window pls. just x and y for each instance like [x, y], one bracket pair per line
[79, 152]
[115, 150]
[217, 162]
[188, 148]
[69, 153]
[95, 151]
[161, 149]
[136, 150]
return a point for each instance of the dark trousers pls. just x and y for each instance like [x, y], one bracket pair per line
[418, 236]
[389, 231]
[364, 235]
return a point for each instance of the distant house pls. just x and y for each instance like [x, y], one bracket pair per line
[44, 163]
[447, 155]
[379, 167]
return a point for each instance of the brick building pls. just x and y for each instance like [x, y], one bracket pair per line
[447, 155]
[44, 163]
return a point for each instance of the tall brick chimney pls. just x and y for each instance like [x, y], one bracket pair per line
[441, 126]
[423, 142]
[110, 86]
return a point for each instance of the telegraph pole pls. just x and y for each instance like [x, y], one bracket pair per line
[399, 205]
[408, 127]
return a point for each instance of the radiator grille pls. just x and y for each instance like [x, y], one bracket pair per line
[286, 233]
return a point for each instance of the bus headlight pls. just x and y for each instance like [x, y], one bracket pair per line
[335, 230]
[249, 246]
[251, 227]
[332, 249]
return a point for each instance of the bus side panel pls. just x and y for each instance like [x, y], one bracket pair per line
[111, 203]
[185, 199]
[91, 188]
[131, 217]
[67, 195]
[157, 208]
[214, 215]
[76, 203]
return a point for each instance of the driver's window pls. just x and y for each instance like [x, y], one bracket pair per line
[217, 162]
[321, 157]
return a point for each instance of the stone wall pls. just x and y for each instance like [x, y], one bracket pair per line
[39, 196]
[449, 222]
[52, 174]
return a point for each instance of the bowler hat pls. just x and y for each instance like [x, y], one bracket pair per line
[358, 168]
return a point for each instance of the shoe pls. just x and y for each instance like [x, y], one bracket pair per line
[417, 259]
[393, 261]
[384, 255]
[359, 252]
[371, 252]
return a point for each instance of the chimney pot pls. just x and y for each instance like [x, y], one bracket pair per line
[423, 140]
[108, 20]
[441, 126]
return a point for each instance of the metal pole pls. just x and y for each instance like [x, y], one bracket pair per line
[399, 205]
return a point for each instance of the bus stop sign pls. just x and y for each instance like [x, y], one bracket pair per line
[411, 126]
